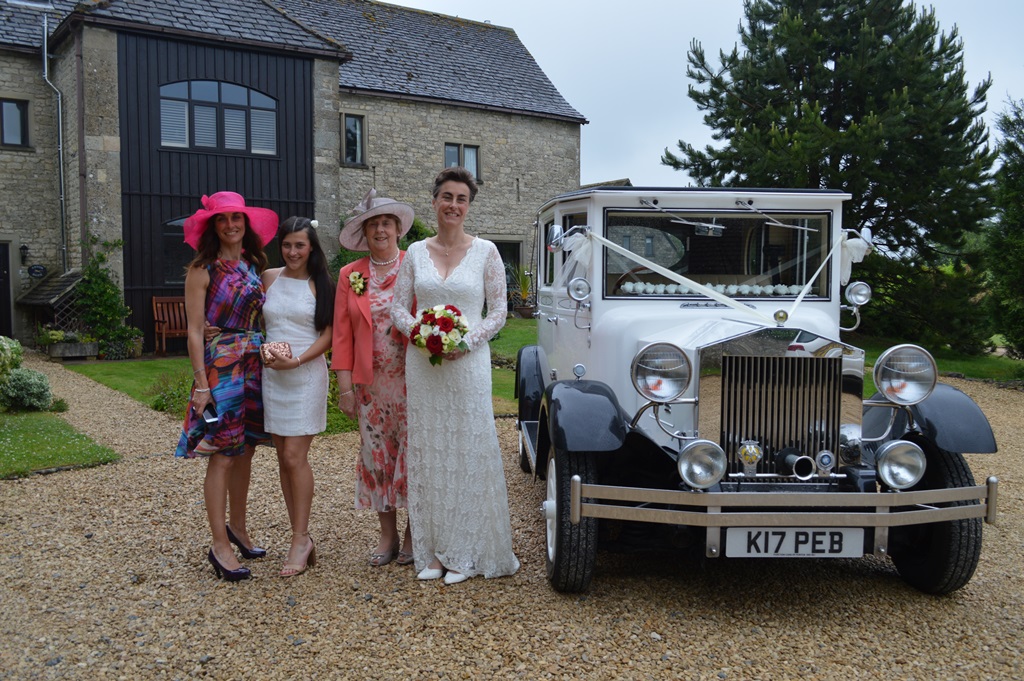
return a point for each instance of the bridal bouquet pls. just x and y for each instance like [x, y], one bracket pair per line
[440, 330]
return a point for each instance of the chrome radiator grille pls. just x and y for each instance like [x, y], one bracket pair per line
[780, 402]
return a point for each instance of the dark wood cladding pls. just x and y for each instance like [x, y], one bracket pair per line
[160, 185]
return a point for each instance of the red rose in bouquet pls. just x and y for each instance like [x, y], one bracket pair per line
[435, 346]
[440, 330]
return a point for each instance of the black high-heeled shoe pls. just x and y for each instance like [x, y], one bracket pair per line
[225, 574]
[254, 552]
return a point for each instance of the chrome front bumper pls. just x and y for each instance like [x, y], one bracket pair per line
[715, 510]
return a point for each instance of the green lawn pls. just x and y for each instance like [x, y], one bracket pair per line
[136, 377]
[32, 441]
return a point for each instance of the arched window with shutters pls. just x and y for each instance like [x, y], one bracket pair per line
[210, 115]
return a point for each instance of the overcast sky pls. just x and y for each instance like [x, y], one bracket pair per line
[622, 64]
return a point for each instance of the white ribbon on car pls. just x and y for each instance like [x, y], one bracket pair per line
[853, 251]
[679, 279]
[577, 265]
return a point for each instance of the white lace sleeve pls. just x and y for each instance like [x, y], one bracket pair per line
[402, 301]
[497, 301]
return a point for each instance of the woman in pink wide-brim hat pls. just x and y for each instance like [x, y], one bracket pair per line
[224, 422]
[263, 221]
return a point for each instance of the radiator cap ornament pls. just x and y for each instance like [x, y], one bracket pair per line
[750, 453]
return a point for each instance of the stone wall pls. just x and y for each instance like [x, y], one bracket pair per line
[29, 187]
[327, 143]
[98, 141]
[524, 161]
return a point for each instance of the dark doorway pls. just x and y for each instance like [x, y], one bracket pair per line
[6, 323]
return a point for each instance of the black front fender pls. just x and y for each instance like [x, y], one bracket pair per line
[584, 416]
[949, 418]
[531, 373]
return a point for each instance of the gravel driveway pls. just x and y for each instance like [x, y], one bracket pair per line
[104, 576]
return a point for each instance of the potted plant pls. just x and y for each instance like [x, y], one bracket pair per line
[522, 279]
[60, 344]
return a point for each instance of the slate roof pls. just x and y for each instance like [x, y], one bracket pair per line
[242, 21]
[408, 52]
[396, 50]
[21, 28]
[53, 288]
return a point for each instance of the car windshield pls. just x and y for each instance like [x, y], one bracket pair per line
[735, 255]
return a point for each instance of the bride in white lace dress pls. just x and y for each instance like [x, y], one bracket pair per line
[458, 502]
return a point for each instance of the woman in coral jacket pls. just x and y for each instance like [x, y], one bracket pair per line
[369, 359]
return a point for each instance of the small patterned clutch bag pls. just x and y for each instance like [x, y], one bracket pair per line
[281, 347]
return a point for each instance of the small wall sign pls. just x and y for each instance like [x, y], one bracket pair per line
[37, 271]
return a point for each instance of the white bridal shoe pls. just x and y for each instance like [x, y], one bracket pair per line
[454, 578]
[430, 573]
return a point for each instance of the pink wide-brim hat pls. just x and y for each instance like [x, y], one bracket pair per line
[352, 237]
[263, 221]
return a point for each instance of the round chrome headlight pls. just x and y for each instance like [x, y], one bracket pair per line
[660, 372]
[858, 293]
[701, 464]
[579, 289]
[905, 374]
[900, 464]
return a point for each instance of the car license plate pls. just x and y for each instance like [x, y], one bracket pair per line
[794, 542]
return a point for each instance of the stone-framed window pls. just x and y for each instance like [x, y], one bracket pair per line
[211, 115]
[465, 155]
[14, 122]
[353, 152]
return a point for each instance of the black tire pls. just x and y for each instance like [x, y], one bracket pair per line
[571, 550]
[939, 558]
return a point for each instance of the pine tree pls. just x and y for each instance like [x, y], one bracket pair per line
[1006, 238]
[865, 96]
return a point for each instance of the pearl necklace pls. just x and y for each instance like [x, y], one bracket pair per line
[386, 262]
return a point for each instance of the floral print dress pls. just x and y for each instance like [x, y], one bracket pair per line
[234, 302]
[380, 469]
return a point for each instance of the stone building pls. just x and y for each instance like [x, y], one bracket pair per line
[131, 111]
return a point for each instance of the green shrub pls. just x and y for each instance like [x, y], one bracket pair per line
[25, 390]
[101, 304]
[170, 392]
[59, 405]
[10, 355]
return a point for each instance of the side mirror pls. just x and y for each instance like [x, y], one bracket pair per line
[555, 238]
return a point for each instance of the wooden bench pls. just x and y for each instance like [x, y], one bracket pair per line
[169, 321]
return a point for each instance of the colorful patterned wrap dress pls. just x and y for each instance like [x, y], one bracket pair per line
[380, 468]
[234, 302]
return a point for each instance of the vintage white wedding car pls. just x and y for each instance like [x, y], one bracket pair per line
[689, 382]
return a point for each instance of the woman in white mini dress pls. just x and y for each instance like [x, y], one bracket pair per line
[299, 310]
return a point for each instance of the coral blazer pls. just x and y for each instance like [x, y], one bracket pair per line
[352, 330]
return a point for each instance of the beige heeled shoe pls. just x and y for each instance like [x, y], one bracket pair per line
[294, 570]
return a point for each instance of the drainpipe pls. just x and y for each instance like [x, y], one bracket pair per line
[60, 144]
